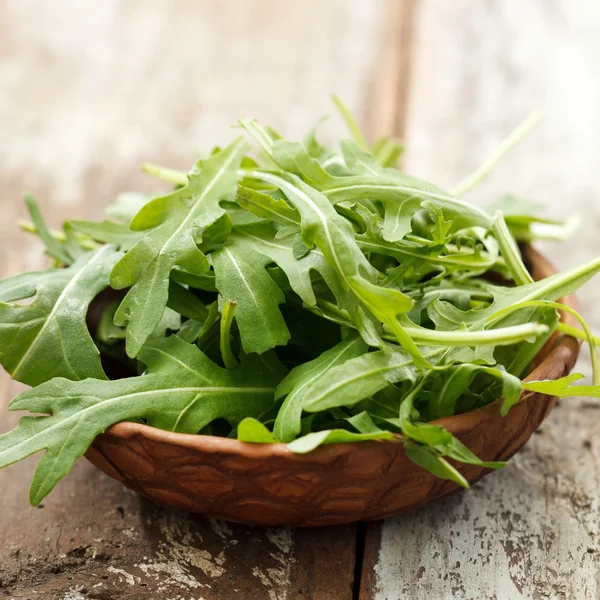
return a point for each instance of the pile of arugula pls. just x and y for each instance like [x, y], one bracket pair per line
[307, 296]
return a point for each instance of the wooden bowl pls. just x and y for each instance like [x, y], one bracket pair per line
[266, 484]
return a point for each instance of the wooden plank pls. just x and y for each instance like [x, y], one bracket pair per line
[90, 90]
[531, 530]
[390, 85]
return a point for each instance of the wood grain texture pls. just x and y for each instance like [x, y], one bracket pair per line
[531, 530]
[391, 75]
[89, 90]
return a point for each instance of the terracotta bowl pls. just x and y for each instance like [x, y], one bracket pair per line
[266, 484]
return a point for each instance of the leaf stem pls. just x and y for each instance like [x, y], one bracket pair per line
[591, 340]
[225, 343]
[166, 174]
[351, 123]
[431, 337]
[59, 236]
[261, 135]
[516, 136]
[497, 337]
[510, 251]
[576, 333]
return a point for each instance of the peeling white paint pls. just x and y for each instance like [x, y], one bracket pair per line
[74, 594]
[129, 578]
[180, 552]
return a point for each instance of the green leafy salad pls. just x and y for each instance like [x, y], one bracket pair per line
[288, 293]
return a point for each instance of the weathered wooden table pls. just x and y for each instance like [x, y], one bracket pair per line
[89, 90]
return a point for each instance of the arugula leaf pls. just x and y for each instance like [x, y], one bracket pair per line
[342, 384]
[109, 232]
[446, 316]
[562, 387]
[174, 223]
[406, 250]
[267, 207]
[184, 302]
[455, 381]
[240, 276]
[333, 235]
[294, 385]
[205, 282]
[434, 463]
[400, 194]
[387, 151]
[252, 430]
[182, 391]
[53, 248]
[296, 266]
[433, 442]
[49, 337]
[311, 441]
[440, 232]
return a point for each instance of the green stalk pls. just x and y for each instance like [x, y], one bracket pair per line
[502, 336]
[497, 155]
[59, 236]
[225, 342]
[591, 340]
[576, 333]
[171, 175]
[351, 124]
[497, 337]
[510, 251]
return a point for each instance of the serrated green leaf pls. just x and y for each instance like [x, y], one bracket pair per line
[333, 235]
[298, 270]
[182, 391]
[241, 277]
[173, 223]
[49, 337]
[267, 207]
[294, 386]
[400, 194]
[53, 247]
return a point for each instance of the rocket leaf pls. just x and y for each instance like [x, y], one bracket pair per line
[49, 337]
[182, 391]
[174, 225]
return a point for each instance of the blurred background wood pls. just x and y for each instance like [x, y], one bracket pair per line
[90, 90]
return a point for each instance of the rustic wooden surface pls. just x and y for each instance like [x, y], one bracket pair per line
[89, 90]
[478, 69]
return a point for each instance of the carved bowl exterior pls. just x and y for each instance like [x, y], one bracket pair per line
[266, 484]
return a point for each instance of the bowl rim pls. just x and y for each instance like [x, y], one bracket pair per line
[557, 357]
